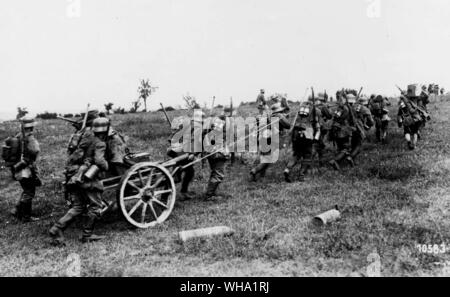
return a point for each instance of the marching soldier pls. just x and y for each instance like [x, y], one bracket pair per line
[340, 133]
[306, 134]
[176, 149]
[265, 128]
[378, 108]
[77, 146]
[261, 102]
[326, 115]
[411, 120]
[25, 169]
[216, 148]
[88, 191]
[116, 151]
[363, 122]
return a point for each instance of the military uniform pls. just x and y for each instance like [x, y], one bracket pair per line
[340, 133]
[261, 102]
[411, 120]
[25, 171]
[116, 151]
[88, 191]
[364, 122]
[217, 159]
[176, 149]
[305, 135]
[378, 108]
[280, 111]
[325, 115]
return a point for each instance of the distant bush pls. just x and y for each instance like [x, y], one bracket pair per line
[68, 115]
[47, 115]
[219, 106]
[168, 108]
[119, 110]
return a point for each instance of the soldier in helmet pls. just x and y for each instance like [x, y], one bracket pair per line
[216, 149]
[325, 115]
[340, 133]
[177, 149]
[261, 102]
[266, 156]
[88, 191]
[25, 170]
[410, 119]
[305, 136]
[363, 122]
[378, 107]
[78, 144]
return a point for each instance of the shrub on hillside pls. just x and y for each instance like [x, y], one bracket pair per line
[47, 115]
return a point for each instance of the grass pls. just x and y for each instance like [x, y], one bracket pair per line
[393, 200]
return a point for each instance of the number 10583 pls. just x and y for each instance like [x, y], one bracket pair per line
[432, 248]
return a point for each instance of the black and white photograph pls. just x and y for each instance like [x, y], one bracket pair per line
[223, 144]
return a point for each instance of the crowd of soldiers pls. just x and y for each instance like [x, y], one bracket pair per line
[96, 150]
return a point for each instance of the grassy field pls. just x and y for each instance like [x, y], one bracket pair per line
[393, 200]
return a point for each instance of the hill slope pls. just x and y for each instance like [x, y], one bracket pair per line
[391, 202]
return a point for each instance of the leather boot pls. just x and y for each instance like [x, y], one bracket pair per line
[17, 211]
[88, 230]
[27, 206]
[287, 176]
[57, 236]
[253, 176]
[211, 191]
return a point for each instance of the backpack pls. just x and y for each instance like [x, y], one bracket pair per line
[11, 150]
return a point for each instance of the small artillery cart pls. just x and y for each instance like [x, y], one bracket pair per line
[146, 193]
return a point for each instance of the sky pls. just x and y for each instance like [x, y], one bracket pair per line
[60, 55]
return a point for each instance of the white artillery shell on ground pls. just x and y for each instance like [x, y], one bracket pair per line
[327, 217]
[205, 232]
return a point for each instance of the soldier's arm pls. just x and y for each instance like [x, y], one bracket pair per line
[99, 156]
[77, 155]
[369, 118]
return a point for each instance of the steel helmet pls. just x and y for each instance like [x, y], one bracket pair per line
[100, 125]
[27, 122]
[351, 98]
[277, 107]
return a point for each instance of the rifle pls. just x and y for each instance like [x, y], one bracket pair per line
[233, 156]
[212, 106]
[424, 113]
[165, 113]
[401, 91]
[314, 122]
[76, 124]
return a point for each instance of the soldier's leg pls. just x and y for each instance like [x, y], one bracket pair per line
[356, 144]
[384, 129]
[290, 165]
[94, 209]
[217, 166]
[342, 148]
[260, 168]
[378, 127]
[188, 175]
[26, 199]
[77, 208]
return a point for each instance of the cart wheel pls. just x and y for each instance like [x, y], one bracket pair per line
[146, 194]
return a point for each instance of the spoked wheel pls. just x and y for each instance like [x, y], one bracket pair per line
[146, 195]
